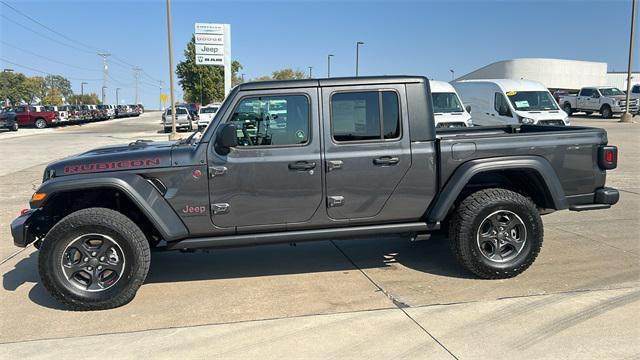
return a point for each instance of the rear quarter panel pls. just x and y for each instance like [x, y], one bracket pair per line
[571, 153]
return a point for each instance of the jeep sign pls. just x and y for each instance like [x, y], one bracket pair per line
[204, 49]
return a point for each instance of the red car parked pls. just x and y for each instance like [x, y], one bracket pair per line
[34, 115]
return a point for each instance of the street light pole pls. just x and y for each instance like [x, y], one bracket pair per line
[82, 84]
[104, 88]
[201, 89]
[626, 117]
[310, 72]
[453, 74]
[160, 98]
[173, 135]
[117, 98]
[358, 55]
[329, 65]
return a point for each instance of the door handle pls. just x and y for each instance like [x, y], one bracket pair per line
[386, 160]
[302, 165]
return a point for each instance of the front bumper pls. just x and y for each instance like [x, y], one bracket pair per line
[602, 198]
[22, 236]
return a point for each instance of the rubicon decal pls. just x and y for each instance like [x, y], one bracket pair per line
[112, 165]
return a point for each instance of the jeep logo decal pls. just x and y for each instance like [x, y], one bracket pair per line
[194, 210]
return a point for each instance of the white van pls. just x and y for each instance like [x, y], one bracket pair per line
[507, 101]
[447, 107]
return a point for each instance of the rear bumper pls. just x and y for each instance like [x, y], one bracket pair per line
[602, 198]
[20, 229]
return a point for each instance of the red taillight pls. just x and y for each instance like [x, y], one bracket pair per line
[23, 211]
[608, 157]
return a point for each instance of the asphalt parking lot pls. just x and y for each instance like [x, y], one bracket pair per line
[383, 298]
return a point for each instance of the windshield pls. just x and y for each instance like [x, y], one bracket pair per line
[208, 110]
[446, 103]
[611, 92]
[532, 100]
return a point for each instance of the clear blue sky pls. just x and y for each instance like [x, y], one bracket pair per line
[420, 37]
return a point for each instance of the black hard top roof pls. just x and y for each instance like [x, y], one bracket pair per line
[338, 81]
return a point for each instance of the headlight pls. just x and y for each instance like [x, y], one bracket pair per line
[527, 121]
[470, 122]
[567, 121]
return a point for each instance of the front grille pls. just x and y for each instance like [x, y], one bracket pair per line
[551, 122]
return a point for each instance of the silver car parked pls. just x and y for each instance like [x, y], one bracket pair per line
[183, 119]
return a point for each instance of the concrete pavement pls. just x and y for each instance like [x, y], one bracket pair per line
[350, 299]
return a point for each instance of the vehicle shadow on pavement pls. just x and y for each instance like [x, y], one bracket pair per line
[430, 256]
[25, 272]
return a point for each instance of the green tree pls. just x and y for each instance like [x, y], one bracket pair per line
[201, 83]
[283, 74]
[88, 99]
[13, 87]
[59, 84]
[36, 87]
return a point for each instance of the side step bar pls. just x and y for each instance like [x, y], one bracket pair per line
[298, 236]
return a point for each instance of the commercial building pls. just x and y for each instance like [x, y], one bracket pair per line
[554, 73]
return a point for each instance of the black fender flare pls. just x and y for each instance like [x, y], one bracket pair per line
[134, 186]
[467, 170]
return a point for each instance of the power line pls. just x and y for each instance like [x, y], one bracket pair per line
[46, 58]
[40, 71]
[43, 35]
[46, 27]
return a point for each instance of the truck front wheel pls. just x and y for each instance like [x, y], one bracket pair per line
[606, 112]
[567, 109]
[94, 259]
[496, 233]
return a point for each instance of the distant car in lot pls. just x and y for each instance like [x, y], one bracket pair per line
[507, 101]
[108, 111]
[206, 114]
[447, 107]
[183, 119]
[606, 100]
[8, 120]
[61, 113]
[28, 115]
[635, 93]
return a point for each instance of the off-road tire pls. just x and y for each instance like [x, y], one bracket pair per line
[127, 235]
[606, 112]
[468, 217]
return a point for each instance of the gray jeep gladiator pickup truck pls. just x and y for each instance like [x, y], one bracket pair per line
[290, 161]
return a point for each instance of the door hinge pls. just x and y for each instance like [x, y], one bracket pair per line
[219, 208]
[335, 201]
[217, 170]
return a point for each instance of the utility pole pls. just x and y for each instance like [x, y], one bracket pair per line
[104, 88]
[310, 72]
[242, 75]
[453, 74]
[136, 75]
[173, 135]
[105, 72]
[358, 55]
[117, 98]
[627, 117]
[82, 84]
[329, 65]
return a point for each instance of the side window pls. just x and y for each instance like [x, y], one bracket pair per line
[586, 92]
[500, 105]
[362, 116]
[32, 109]
[636, 89]
[272, 120]
[20, 109]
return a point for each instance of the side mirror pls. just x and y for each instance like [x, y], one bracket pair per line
[595, 96]
[226, 139]
[468, 108]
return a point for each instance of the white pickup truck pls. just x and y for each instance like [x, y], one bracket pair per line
[606, 100]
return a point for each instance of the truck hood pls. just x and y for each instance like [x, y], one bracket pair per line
[544, 115]
[136, 155]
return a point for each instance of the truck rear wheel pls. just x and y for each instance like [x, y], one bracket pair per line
[40, 123]
[496, 233]
[94, 259]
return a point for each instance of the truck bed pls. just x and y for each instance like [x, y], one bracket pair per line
[571, 150]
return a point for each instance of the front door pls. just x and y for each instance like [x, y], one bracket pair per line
[273, 177]
[367, 149]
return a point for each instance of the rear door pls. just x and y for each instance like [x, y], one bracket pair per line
[273, 177]
[367, 150]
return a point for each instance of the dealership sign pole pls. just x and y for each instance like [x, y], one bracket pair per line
[213, 47]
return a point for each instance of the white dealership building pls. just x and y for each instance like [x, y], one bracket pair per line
[555, 73]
